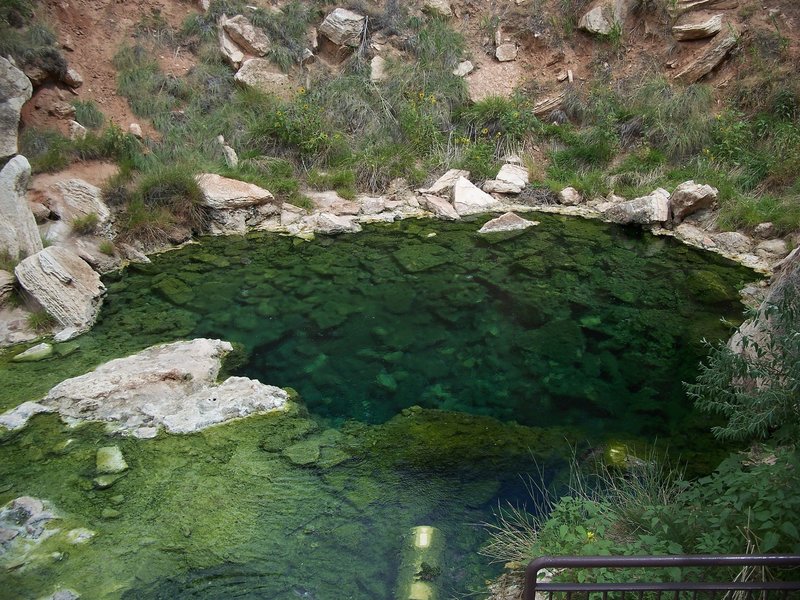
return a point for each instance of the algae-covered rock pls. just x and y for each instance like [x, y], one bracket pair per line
[103, 482]
[709, 288]
[174, 290]
[416, 258]
[35, 353]
[303, 453]
[109, 460]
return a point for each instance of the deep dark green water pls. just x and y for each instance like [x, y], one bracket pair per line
[573, 331]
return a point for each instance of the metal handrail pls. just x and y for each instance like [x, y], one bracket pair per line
[700, 560]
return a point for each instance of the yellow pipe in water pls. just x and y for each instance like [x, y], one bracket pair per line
[420, 564]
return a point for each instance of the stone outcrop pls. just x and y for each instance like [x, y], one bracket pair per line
[679, 7]
[331, 224]
[708, 59]
[223, 193]
[445, 183]
[440, 207]
[647, 210]
[506, 52]
[545, 106]
[698, 30]
[343, 27]
[15, 90]
[64, 285]
[173, 386]
[71, 200]
[511, 179]
[6, 286]
[689, 197]
[260, 74]
[438, 7]
[732, 242]
[463, 68]
[507, 222]
[19, 236]
[604, 16]
[251, 39]
[229, 49]
[470, 200]
[569, 196]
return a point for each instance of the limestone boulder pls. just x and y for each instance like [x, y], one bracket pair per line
[439, 207]
[511, 179]
[173, 386]
[694, 236]
[15, 90]
[377, 69]
[6, 286]
[689, 197]
[372, 205]
[72, 78]
[507, 222]
[64, 285]
[506, 52]
[230, 50]
[260, 74]
[604, 15]
[223, 193]
[772, 249]
[331, 202]
[697, 30]
[249, 38]
[343, 27]
[470, 200]
[332, 224]
[445, 183]
[19, 236]
[569, 196]
[463, 68]
[709, 58]
[71, 201]
[646, 210]
[291, 214]
[679, 7]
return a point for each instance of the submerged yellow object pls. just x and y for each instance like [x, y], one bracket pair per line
[420, 564]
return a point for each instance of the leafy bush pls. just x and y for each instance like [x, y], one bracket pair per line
[175, 190]
[85, 224]
[756, 385]
[87, 114]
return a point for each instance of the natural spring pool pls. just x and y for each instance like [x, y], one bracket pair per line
[509, 348]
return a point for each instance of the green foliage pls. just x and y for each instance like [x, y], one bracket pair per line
[479, 159]
[291, 126]
[286, 30]
[176, 190]
[85, 224]
[14, 13]
[47, 150]
[107, 247]
[343, 181]
[8, 262]
[40, 321]
[87, 114]
[756, 387]
[33, 46]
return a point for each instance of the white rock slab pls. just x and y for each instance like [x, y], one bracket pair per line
[470, 200]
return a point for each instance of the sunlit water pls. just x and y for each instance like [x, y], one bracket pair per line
[573, 331]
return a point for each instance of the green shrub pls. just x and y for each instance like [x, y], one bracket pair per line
[8, 262]
[86, 224]
[47, 150]
[479, 158]
[40, 321]
[107, 247]
[175, 190]
[343, 181]
[147, 224]
[87, 114]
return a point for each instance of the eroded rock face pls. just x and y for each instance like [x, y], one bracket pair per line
[707, 61]
[6, 285]
[697, 30]
[689, 197]
[446, 182]
[647, 210]
[438, 7]
[72, 200]
[604, 16]
[229, 49]
[19, 236]
[171, 385]
[330, 224]
[439, 207]
[511, 179]
[64, 285]
[343, 27]
[732, 242]
[569, 196]
[15, 90]
[251, 39]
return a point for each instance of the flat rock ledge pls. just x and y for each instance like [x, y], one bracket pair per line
[170, 386]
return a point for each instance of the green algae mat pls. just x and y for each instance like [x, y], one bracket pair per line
[436, 366]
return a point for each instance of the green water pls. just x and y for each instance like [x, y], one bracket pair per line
[574, 331]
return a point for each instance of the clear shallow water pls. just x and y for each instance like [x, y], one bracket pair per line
[576, 330]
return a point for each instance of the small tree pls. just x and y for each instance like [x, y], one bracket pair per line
[754, 381]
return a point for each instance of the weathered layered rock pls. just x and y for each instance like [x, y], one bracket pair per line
[470, 200]
[511, 179]
[707, 61]
[72, 200]
[689, 197]
[291, 214]
[331, 224]
[377, 69]
[646, 210]
[343, 27]
[331, 202]
[223, 193]
[76, 130]
[64, 285]
[440, 207]
[698, 30]
[19, 236]
[772, 249]
[732, 242]
[463, 68]
[251, 39]
[15, 90]
[229, 49]
[6, 286]
[172, 386]
[260, 74]
[506, 222]
[604, 16]
[545, 106]
[679, 7]
[694, 236]
[72, 78]
[372, 205]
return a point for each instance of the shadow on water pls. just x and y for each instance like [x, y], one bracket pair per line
[513, 347]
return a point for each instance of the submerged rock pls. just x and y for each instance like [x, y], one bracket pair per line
[507, 222]
[35, 353]
[109, 460]
[171, 385]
